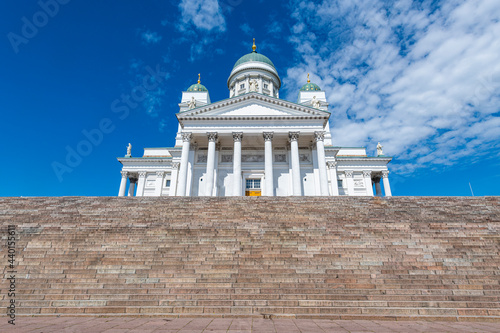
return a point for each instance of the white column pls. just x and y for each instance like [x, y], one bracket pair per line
[123, 184]
[237, 137]
[173, 179]
[350, 182]
[367, 175]
[332, 166]
[268, 137]
[209, 176]
[247, 84]
[294, 145]
[159, 183]
[216, 171]
[314, 154]
[190, 171]
[387, 186]
[261, 84]
[131, 188]
[319, 137]
[186, 141]
[140, 185]
[271, 88]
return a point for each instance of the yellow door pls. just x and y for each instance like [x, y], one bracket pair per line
[253, 193]
[252, 188]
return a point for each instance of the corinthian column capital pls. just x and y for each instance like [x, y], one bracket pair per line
[331, 165]
[212, 136]
[237, 136]
[186, 136]
[319, 136]
[294, 136]
[268, 136]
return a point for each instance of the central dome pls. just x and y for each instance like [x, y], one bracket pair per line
[255, 73]
[254, 56]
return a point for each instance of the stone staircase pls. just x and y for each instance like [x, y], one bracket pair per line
[302, 257]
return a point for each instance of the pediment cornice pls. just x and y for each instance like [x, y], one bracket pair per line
[200, 113]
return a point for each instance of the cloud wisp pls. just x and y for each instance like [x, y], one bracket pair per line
[150, 37]
[200, 24]
[204, 15]
[423, 78]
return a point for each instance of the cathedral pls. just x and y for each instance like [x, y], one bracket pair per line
[254, 144]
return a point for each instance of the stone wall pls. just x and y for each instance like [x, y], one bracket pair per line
[383, 258]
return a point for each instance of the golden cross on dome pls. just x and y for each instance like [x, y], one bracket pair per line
[254, 47]
[308, 81]
[199, 78]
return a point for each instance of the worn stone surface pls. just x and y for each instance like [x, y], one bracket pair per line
[241, 325]
[396, 258]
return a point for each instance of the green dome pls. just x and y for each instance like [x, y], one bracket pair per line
[310, 87]
[254, 56]
[197, 87]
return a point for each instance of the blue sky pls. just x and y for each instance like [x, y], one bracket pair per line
[423, 78]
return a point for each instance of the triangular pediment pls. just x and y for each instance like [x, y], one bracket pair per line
[253, 105]
[254, 109]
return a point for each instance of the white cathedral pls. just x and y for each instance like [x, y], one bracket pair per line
[254, 144]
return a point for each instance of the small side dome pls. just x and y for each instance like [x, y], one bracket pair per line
[310, 86]
[197, 86]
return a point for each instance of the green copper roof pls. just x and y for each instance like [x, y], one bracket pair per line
[254, 56]
[310, 87]
[197, 87]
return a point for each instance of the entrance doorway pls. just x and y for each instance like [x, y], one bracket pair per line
[253, 188]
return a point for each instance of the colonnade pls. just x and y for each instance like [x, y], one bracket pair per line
[237, 189]
[179, 176]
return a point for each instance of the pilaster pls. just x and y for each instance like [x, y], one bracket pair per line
[173, 178]
[140, 185]
[350, 182]
[332, 166]
[159, 183]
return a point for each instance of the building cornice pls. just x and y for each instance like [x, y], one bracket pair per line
[144, 159]
[364, 158]
[256, 96]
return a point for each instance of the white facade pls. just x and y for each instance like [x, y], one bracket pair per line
[254, 144]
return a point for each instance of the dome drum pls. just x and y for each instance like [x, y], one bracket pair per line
[252, 80]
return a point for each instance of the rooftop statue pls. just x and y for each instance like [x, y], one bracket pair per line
[192, 103]
[379, 150]
[129, 150]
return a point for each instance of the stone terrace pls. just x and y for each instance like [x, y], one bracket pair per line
[399, 258]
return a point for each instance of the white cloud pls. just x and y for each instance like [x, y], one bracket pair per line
[150, 37]
[245, 27]
[205, 15]
[274, 29]
[422, 78]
